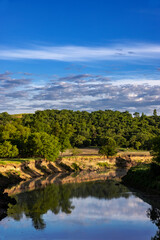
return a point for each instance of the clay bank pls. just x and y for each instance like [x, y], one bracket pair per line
[30, 168]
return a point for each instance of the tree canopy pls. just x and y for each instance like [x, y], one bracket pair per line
[62, 129]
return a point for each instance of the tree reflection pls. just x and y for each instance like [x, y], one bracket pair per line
[58, 198]
[38, 221]
[154, 215]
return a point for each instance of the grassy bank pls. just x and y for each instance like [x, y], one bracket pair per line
[87, 160]
[6, 161]
[145, 177]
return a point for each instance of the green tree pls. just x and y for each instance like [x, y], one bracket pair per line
[78, 140]
[155, 113]
[81, 129]
[136, 114]
[137, 145]
[17, 134]
[155, 149]
[5, 117]
[43, 145]
[8, 131]
[64, 142]
[8, 150]
[109, 147]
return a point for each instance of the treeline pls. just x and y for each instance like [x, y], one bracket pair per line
[48, 132]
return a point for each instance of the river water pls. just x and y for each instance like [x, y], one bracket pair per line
[80, 208]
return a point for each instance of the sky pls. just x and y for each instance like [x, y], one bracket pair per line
[81, 55]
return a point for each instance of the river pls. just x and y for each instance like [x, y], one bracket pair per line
[81, 207]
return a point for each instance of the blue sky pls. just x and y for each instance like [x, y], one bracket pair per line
[80, 55]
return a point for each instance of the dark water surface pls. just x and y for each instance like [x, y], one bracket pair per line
[102, 209]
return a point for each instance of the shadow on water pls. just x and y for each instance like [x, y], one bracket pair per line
[154, 215]
[57, 197]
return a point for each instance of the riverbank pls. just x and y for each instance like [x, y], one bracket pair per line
[22, 169]
[145, 177]
[61, 178]
[4, 198]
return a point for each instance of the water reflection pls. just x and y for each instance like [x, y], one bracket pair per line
[81, 210]
[154, 215]
[57, 198]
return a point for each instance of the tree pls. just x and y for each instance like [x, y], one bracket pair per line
[43, 145]
[64, 142]
[136, 114]
[109, 147]
[155, 113]
[8, 131]
[154, 215]
[17, 134]
[155, 149]
[7, 150]
[78, 140]
[5, 117]
[137, 145]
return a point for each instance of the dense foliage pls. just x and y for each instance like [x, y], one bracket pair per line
[155, 149]
[31, 134]
[8, 150]
[144, 177]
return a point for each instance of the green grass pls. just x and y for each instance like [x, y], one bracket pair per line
[15, 160]
[11, 172]
[75, 166]
[84, 157]
[104, 164]
[131, 150]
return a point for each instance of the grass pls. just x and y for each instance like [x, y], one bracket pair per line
[93, 151]
[75, 166]
[11, 172]
[104, 164]
[85, 154]
[86, 157]
[81, 151]
[132, 150]
[15, 160]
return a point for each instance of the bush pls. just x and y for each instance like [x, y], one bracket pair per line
[75, 151]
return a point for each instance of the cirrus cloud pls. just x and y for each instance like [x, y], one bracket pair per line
[83, 53]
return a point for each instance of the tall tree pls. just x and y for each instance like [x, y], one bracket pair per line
[43, 145]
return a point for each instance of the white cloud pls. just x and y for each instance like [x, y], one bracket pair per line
[81, 53]
[95, 210]
[78, 92]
